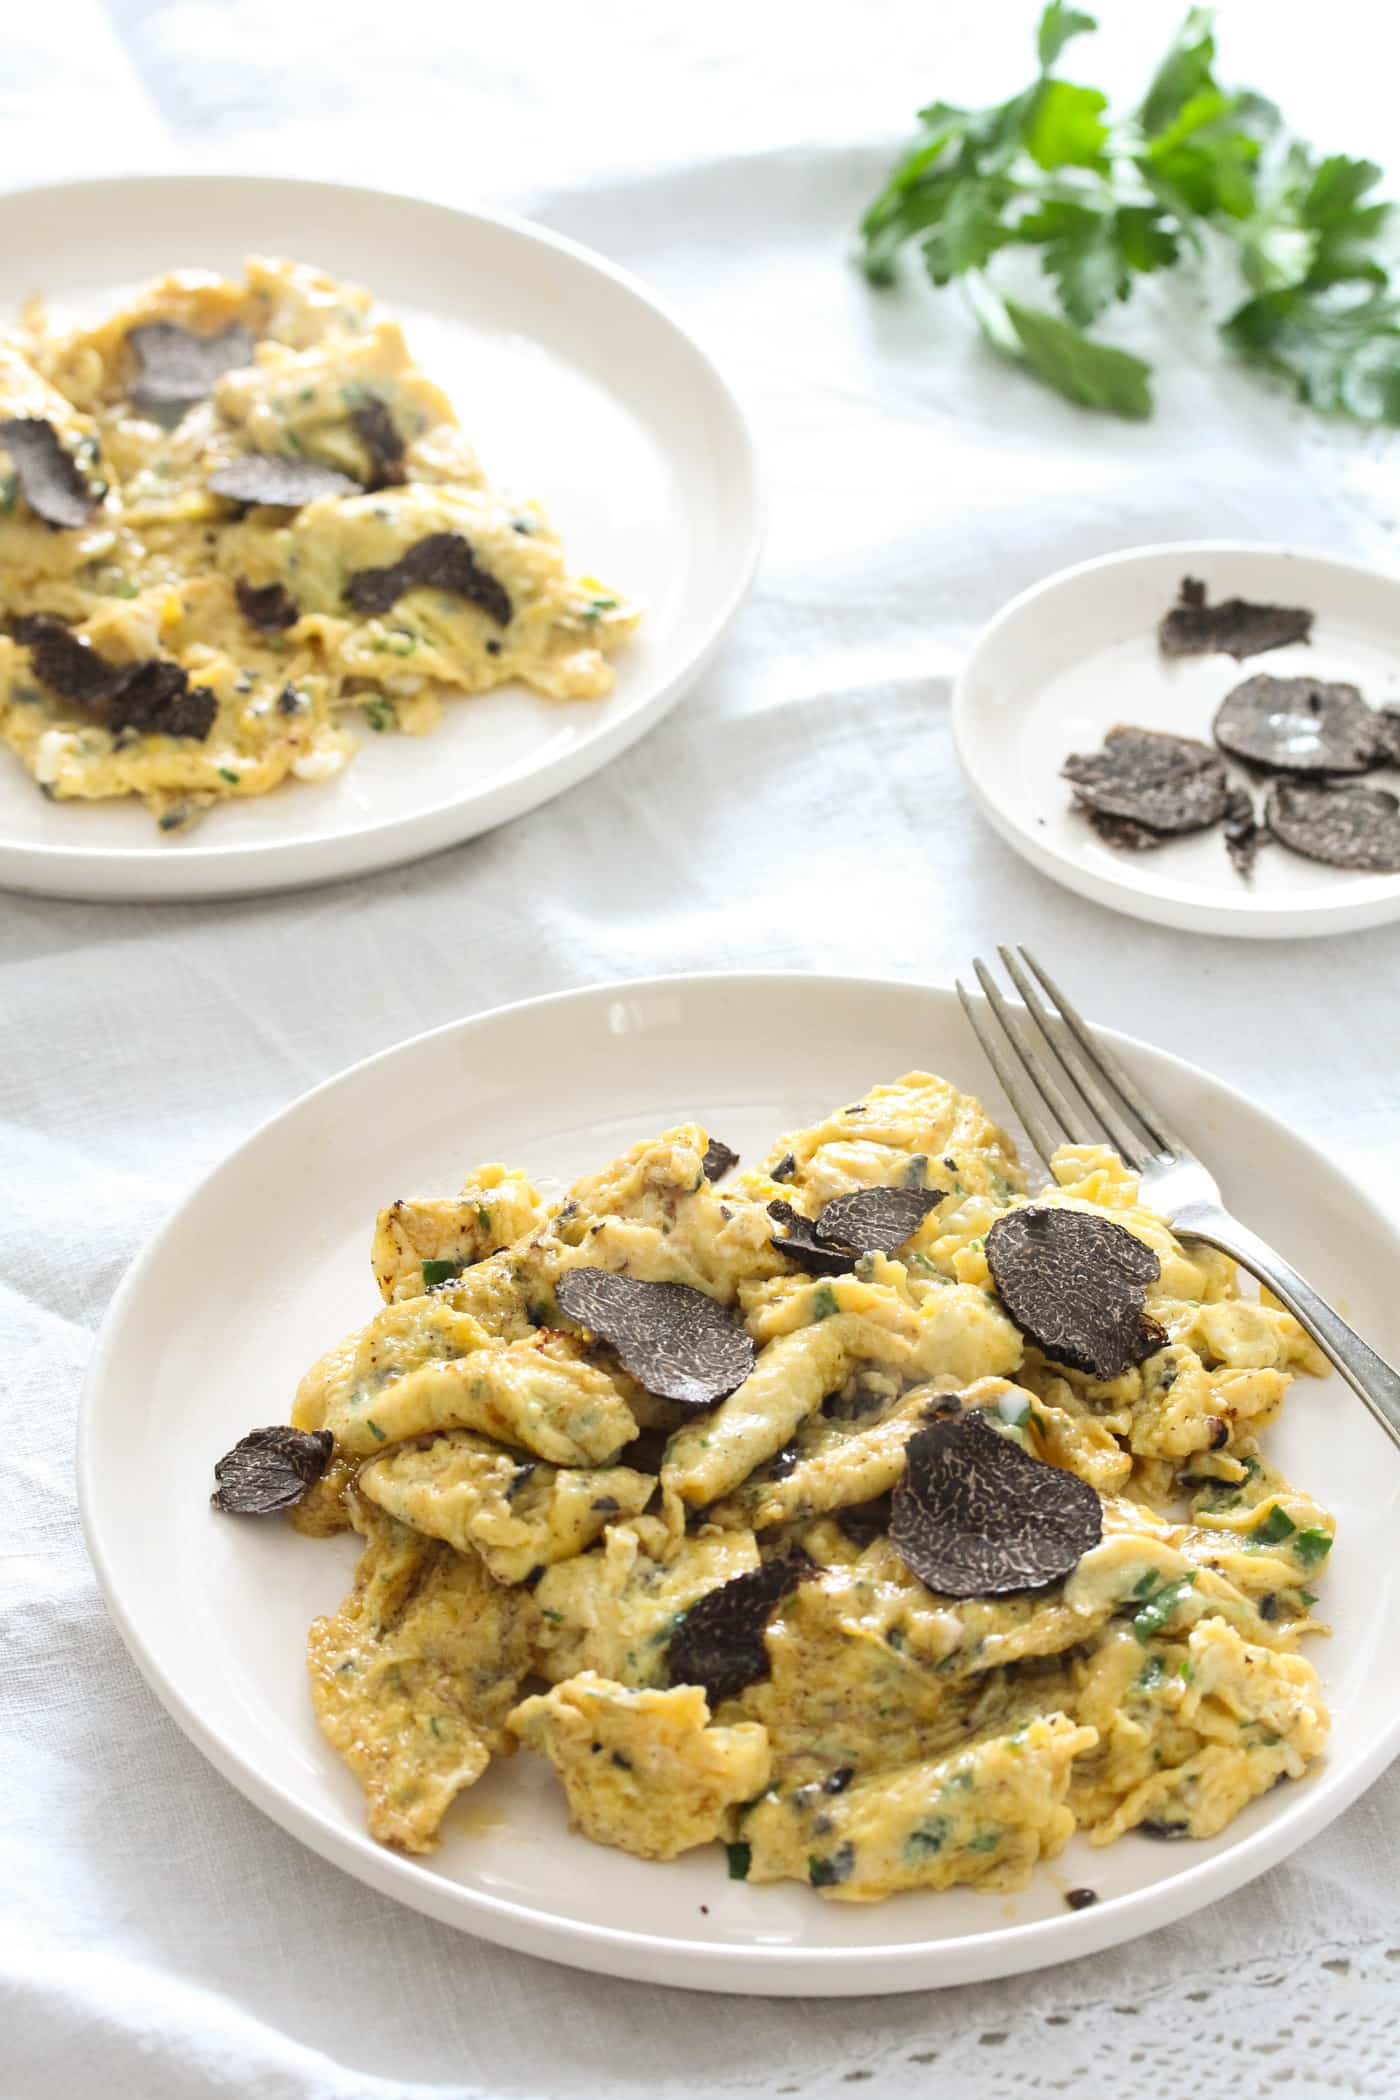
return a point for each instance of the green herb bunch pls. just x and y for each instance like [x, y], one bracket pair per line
[1194, 169]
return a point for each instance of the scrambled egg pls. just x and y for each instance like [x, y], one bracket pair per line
[535, 1517]
[164, 569]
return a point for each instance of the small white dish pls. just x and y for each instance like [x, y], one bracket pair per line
[267, 1262]
[1064, 662]
[577, 388]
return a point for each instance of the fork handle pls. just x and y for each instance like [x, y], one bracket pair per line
[1369, 1375]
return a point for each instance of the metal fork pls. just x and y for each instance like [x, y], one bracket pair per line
[1067, 1087]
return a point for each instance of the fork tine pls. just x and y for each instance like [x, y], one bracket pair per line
[1041, 1072]
[1159, 1130]
[1123, 1136]
[1021, 1096]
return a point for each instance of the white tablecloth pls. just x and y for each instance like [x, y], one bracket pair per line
[160, 1939]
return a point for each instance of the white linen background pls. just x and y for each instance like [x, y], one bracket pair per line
[158, 1937]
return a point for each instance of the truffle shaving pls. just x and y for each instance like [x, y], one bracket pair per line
[176, 367]
[1168, 783]
[52, 481]
[678, 1342]
[158, 700]
[270, 1469]
[260, 477]
[381, 438]
[1347, 827]
[66, 664]
[720, 1159]
[876, 1220]
[975, 1515]
[1299, 725]
[446, 562]
[152, 697]
[1074, 1284]
[1242, 833]
[864, 1221]
[1234, 627]
[269, 606]
[719, 1641]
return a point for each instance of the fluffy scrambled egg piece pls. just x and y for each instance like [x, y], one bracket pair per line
[644, 1770]
[165, 570]
[536, 1516]
[413, 1677]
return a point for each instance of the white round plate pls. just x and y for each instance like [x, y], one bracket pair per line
[268, 1262]
[577, 389]
[1062, 663]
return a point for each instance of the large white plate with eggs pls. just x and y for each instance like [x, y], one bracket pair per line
[267, 1262]
[1071, 657]
[577, 388]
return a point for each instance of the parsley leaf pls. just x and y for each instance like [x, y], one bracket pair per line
[1065, 127]
[970, 230]
[1082, 370]
[1187, 70]
[1059, 25]
[1107, 202]
[1340, 352]
[1093, 255]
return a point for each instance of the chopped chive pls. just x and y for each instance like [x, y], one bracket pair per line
[1311, 1546]
[1153, 1617]
[375, 1430]
[439, 1272]
[1277, 1525]
[740, 1857]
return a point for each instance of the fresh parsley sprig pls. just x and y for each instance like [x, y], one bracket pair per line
[1195, 169]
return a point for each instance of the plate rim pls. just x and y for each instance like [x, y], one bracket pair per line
[233, 870]
[1291, 921]
[757, 1969]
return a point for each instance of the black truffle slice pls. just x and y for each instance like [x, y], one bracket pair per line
[1074, 1285]
[1298, 725]
[1242, 833]
[975, 1515]
[720, 1159]
[52, 481]
[380, 436]
[679, 1343]
[261, 477]
[153, 697]
[878, 1220]
[442, 559]
[1124, 833]
[1351, 827]
[176, 367]
[798, 1240]
[718, 1642]
[865, 1221]
[1388, 734]
[269, 606]
[1235, 627]
[66, 664]
[270, 1469]
[1169, 783]
[158, 700]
